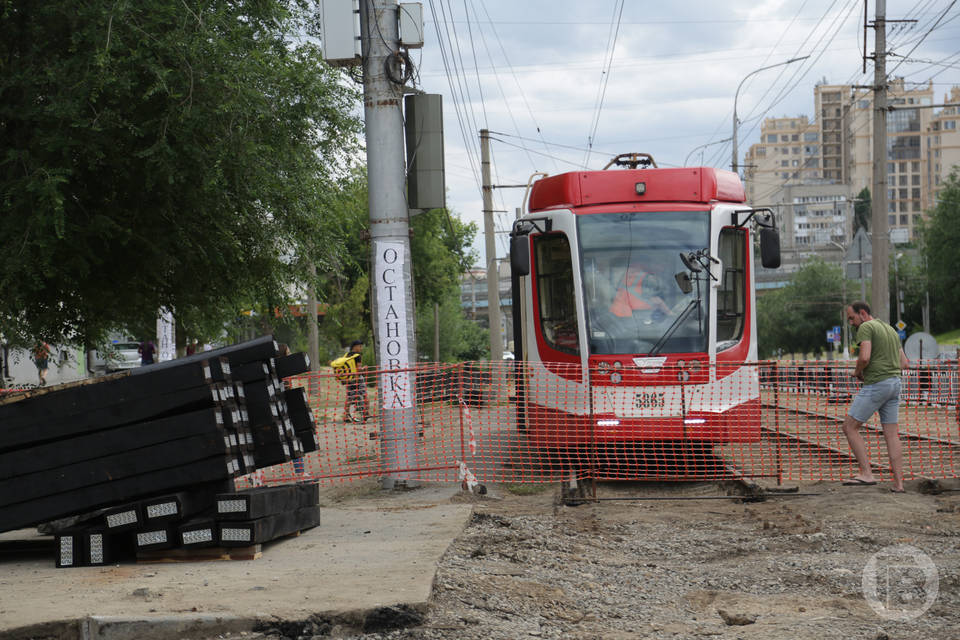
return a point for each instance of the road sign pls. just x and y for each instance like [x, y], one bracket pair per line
[902, 334]
[901, 325]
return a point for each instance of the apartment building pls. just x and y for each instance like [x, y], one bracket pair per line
[943, 143]
[836, 151]
[474, 302]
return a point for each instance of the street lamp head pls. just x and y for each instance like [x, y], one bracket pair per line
[735, 164]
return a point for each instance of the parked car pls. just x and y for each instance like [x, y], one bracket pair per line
[117, 356]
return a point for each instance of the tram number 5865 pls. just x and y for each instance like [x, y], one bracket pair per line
[650, 400]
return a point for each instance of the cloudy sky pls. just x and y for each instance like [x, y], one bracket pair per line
[568, 84]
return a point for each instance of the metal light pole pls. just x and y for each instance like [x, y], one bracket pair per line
[735, 164]
[896, 281]
[843, 296]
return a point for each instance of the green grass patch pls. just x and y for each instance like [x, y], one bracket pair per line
[950, 337]
[526, 489]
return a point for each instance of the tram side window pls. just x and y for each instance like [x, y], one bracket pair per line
[554, 273]
[731, 296]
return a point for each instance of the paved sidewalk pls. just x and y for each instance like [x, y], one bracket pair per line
[372, 550]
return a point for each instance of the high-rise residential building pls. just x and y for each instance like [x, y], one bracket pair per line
[837, 149]
[942, 150]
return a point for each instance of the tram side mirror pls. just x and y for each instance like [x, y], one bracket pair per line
[520, 255]
[769, 248]
[683, 281]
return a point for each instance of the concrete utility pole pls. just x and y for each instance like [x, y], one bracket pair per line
[880, 289]
[392, 299]
[493, 274]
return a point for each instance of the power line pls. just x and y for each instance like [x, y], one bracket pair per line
[804, 68]
[928, 32]
[604, 77]
[516, 80]
[447, 59]
[476, 69]
[499, 85]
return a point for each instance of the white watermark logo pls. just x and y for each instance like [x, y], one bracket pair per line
[900, 582]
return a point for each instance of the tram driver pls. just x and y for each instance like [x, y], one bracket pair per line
[640, 294]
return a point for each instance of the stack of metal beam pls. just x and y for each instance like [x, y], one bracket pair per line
[148, 450]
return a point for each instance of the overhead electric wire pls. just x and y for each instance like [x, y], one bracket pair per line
[927, 33]
[455, 45]
[799, 73]
[806, 66]
[454, 82]
[476, 68]
[770, 53]
[496, 77]
[604, 78]
[540, 153]
[516, 80]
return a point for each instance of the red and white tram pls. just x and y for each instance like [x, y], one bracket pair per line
[634, 307]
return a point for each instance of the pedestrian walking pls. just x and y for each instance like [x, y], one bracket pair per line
[879, 363]
[146, 351]
[353, 377]
[41, 358]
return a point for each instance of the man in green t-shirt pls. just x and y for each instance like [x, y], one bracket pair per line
[879, 362]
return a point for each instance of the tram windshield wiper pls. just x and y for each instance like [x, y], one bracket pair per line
[674, 326]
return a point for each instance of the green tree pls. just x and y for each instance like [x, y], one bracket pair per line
[161, 153]
[912, 283]
[796, 318]
[862, 211]
[441, 254]
[440, 248]
[941, 247]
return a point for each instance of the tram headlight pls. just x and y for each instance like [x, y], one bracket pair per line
[616, 377]
[604, 367]
[617, 365]
[695, 365]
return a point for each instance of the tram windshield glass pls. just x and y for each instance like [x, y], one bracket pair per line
[632, 299]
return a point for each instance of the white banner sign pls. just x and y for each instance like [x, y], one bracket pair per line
[392, 323]
[166, 341]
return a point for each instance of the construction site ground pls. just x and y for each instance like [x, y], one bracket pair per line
[686, 561]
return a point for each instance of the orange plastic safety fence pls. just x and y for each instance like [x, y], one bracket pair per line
[537, 422]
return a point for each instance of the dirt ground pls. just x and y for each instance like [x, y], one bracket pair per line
[828, 562]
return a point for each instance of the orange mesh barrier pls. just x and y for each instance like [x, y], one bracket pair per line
[533, 422]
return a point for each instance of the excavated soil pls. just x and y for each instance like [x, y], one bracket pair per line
[689, 563]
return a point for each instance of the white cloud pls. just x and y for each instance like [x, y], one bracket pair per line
[671, 85]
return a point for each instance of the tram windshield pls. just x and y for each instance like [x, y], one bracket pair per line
[629, 261]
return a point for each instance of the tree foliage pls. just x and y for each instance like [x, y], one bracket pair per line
[161, 153]
[440, 248]
[441, 253]
[796, 318]
[862, 211]
[941, 247]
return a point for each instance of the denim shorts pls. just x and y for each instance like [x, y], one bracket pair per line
[883, 396]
